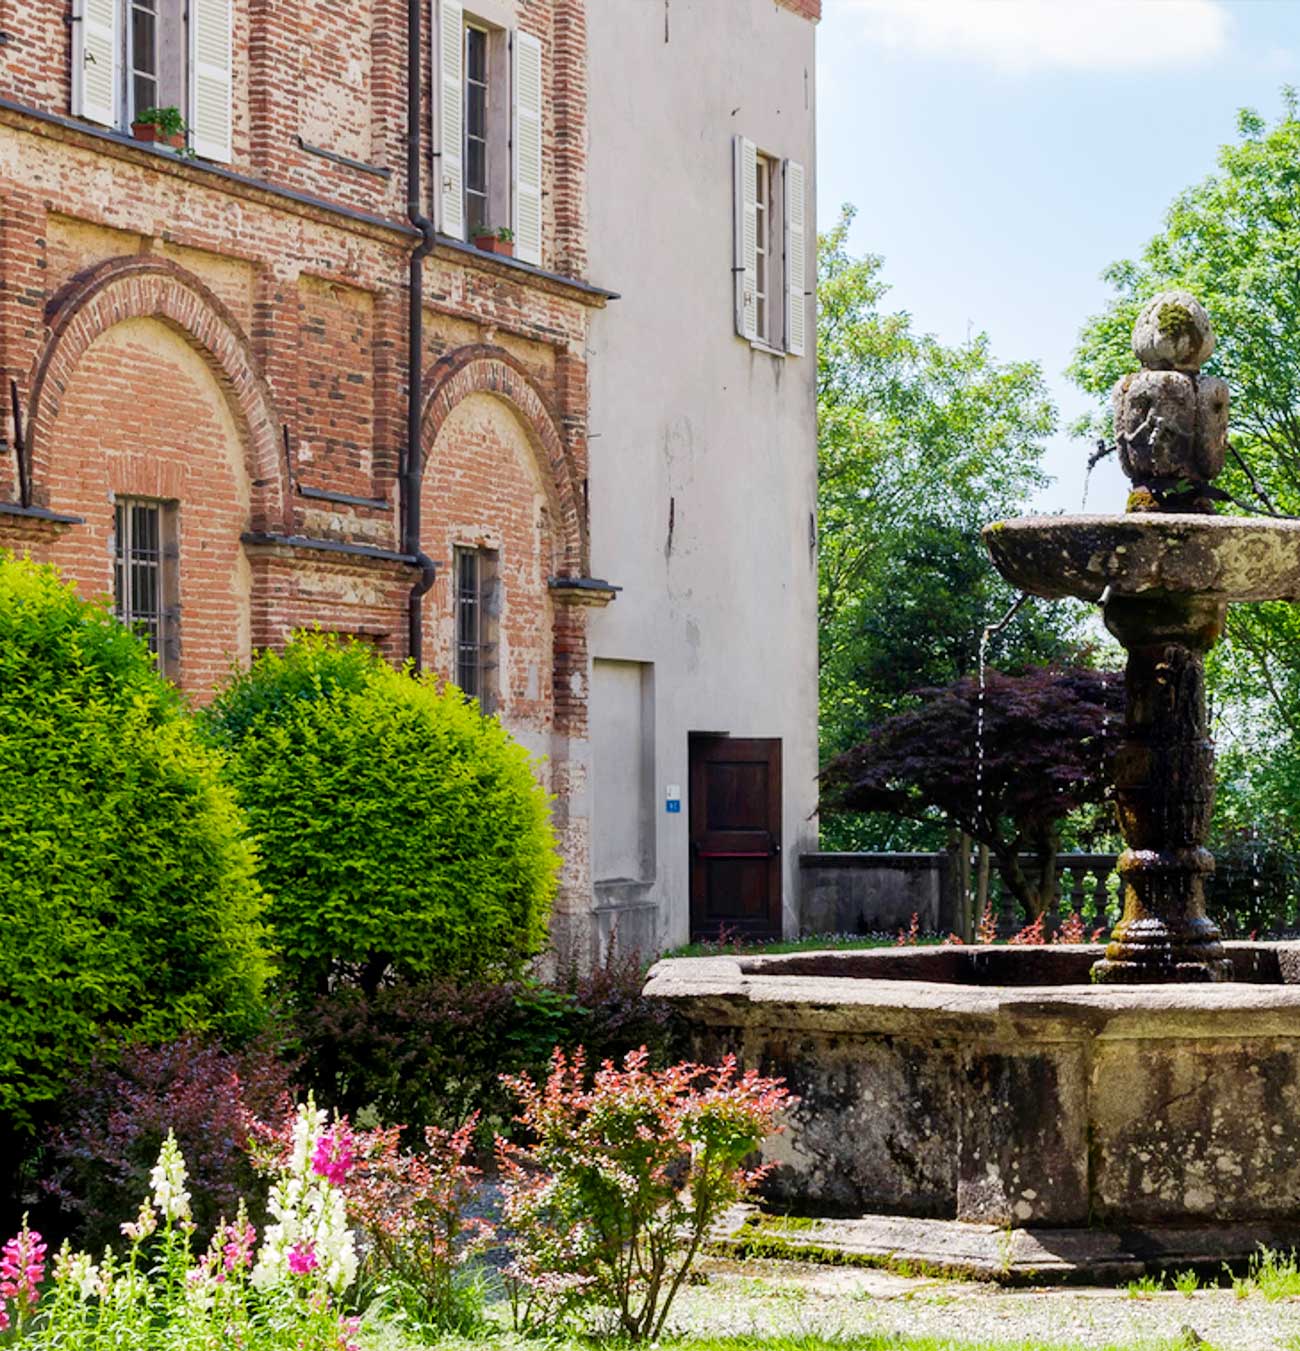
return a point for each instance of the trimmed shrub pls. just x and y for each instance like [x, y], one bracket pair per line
[403, 834]
[129, 904]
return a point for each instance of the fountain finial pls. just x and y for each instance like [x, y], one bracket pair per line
[1171, 422]
[1173, 333]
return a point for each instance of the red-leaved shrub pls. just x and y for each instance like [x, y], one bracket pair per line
[610, 1201]
[114, 1124]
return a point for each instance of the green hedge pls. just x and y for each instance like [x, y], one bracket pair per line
[130, 909]
[402, 834]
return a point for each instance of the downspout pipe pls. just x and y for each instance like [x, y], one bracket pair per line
[413, 475]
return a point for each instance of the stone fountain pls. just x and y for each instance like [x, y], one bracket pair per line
[1165, 574]
[1063, 1110]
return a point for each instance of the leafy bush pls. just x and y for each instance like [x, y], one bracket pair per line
[414, 1210]
[403, 834]
[429, 1052]
[432, 1052]
[610, 1202]
[113, 1125]
[130, 906]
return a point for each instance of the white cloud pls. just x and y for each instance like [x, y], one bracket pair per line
[1024, 35]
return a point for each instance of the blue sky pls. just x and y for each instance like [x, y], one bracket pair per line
[1002, 152]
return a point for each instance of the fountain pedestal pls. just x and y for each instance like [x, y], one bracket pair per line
[1164, 795]
[1164, 573]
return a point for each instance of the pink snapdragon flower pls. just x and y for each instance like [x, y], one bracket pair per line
[334, 1154]
[22, 1268]
[302, 1257]
[237, 1250]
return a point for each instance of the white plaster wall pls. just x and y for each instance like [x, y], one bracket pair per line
[686, 417]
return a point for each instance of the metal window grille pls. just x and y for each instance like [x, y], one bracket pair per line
[476, 131]
[469, 622]
[144, 581]
[142, 48]
[476, 625]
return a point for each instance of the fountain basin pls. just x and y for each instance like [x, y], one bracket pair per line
[1218, 558]
[997, 1086]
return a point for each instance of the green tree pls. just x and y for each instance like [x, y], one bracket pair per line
[403, 835]
[921, 444]
[1233, 240]
[130, 909]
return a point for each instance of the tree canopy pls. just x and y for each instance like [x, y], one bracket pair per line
[921, 444]
[1233, 240]
[1006, 765]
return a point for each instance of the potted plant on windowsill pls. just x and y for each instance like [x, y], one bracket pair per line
[163, 126]
[500, 241]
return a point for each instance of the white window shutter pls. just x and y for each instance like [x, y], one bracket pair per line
[449, 167]
[211, 79]
[97, 60]
[745, 266]
[526, 135]
[796, 258]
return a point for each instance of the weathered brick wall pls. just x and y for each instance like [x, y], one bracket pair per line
[179, 335]
[116, 434]
[332, 73]
[317, 308]
[482, 489]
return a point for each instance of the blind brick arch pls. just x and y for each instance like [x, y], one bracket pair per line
[483, 369]
[153, 288]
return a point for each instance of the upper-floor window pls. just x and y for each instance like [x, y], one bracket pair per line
[765, 256]
[133, 56]
[146, 576]
[771, 258]
[488, 130]
[144, 59]
[478, 176]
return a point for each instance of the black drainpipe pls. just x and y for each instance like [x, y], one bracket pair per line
[414, 458]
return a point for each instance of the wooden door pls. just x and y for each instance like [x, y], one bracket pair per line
[735, 821]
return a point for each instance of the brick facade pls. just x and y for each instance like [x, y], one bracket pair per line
[232, 339]
[806, 9]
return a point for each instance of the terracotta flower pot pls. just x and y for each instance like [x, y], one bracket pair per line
[491, 244]
[150, 133]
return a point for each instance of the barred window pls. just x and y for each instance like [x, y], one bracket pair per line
[146, 580]
[475, 584]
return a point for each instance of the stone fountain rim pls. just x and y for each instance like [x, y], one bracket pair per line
[734, 988]
[1217, 558]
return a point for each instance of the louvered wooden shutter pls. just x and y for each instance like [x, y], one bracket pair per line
[745, 266]
[796, 258]
[211, 79]
[526, 136]
[97, 60]
[449, 168]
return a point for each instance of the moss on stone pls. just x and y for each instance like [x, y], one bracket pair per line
[1176, 322]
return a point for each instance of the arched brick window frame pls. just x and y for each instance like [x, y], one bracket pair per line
[154, 288]
[483, 369]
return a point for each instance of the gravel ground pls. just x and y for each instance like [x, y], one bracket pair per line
[759, 1296]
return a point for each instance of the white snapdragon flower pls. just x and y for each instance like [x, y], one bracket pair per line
[309, 1232]
[78, 1270]
[168, 1181]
